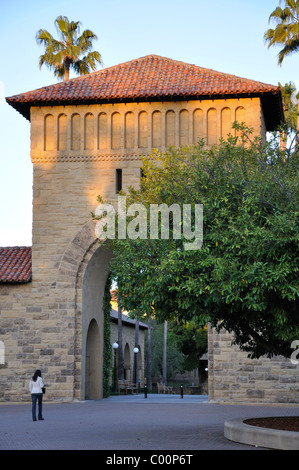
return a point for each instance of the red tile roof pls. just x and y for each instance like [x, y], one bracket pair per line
[148, 78]
[126, 319]
[15, 264]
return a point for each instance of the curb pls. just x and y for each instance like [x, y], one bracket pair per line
[236, 430]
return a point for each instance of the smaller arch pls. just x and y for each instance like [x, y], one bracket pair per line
[88, 131]
[197, 125]
[142, 129]
[212, 126]
[49, 143]
[129, 130]
[184, 127]
[170, 127]
[226, 122]
[116, 130]
[62, 132]
[240, 114]
[127, 363]
[156, 129]
[75, 131]
[240, 117]
[102, 131]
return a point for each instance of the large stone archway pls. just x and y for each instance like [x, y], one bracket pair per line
[84, 269]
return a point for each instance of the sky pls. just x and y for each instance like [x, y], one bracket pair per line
[226, 36]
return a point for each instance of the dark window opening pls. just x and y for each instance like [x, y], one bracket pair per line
[119, 180]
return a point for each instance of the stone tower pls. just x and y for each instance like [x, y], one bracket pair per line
[88, 136]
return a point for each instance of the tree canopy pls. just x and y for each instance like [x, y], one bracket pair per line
[286, 32]
[244, 278]
[68, 51]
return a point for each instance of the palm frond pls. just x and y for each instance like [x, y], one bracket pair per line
[62, 54]
[88, 63]
[43, 36]
[289, 48]
[286, 32]
[85, 40]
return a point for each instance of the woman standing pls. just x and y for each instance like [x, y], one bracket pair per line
[35, 387]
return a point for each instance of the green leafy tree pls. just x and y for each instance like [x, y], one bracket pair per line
[193, 342]
[68, 51]
[286, 32]
[245, 276]
[175, 357]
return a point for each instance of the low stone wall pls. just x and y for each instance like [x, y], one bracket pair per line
[233, 377]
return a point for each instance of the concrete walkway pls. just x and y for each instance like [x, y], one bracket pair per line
[133, 422]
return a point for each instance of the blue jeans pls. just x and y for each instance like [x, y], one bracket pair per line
[37, 397]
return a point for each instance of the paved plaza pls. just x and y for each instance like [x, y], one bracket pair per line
[133, 422]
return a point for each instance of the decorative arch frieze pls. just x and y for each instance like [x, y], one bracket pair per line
[127, 132]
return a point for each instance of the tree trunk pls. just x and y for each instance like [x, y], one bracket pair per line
[67, 70]
[149, 355]
[164, 380]
[135, 379]
[120, 347]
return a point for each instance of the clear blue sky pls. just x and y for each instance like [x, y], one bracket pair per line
[223, 35]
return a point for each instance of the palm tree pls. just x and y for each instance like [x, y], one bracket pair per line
[65, 53]
[286, 32]
[290, 104]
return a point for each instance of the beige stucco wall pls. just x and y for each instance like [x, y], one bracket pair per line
[75, 151]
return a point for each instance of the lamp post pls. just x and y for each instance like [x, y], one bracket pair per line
[136, 351]
[115, 347]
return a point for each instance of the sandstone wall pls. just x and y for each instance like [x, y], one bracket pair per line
[235, 378]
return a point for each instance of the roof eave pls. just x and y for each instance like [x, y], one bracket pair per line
[16, 282]
[272, 120]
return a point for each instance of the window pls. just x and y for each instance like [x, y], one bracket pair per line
[119, 182]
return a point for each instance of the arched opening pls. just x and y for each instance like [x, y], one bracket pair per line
[127, 363]
[93, 359]
[94, 281]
